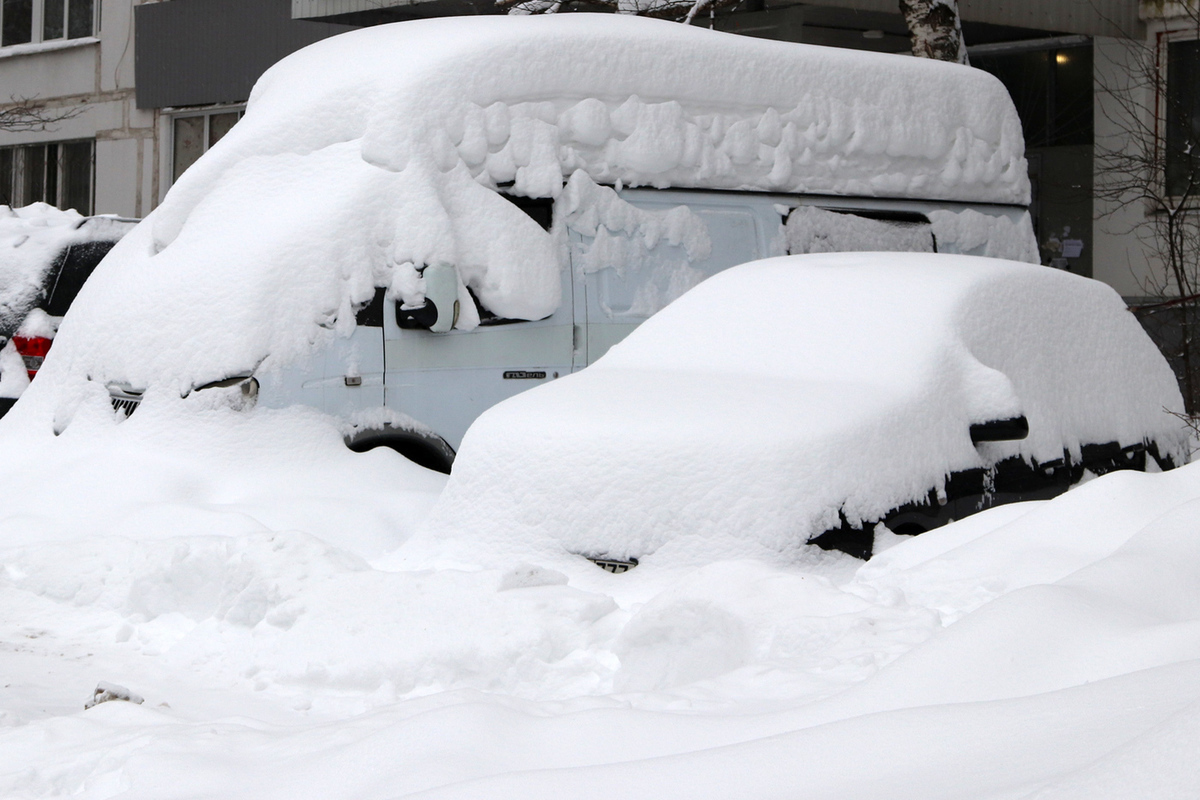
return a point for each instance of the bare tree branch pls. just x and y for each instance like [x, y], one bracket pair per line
[1160, 188]
[28, 114]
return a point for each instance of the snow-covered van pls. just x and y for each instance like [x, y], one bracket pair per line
[45, 256]
[415, 221]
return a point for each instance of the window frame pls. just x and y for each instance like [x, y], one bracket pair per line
[38, 23]
[190, 113]
[1164, 39]
[20, 177]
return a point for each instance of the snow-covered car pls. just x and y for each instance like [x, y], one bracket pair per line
[45, 256]
[811, 399]
[413, 222]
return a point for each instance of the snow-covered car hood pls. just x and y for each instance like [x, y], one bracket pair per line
[776, 395]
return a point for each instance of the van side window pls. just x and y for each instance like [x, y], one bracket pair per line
[539, 209]
[838, 230]
[371, 315]
[486, 317]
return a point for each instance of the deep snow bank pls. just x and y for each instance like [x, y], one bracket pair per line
[276, 665]
[752, 411]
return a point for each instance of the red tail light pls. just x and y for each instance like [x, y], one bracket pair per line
[33, 350]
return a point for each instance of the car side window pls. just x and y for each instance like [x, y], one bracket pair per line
[76, 265]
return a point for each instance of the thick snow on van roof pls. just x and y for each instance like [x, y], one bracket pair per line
[747, 415]
[369, 155]
[648, 102]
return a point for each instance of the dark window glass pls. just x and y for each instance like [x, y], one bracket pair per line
[18, 22]
[80, 262]
[6, 176]
[50, 194]
[540, 209]
[219, 125]
[1027, 78]
[1183, 118]
[189, 143]
[52, 19]
[77, 176]
[1073, 91]
[1052, 90]
[34, 170]
[79, 18]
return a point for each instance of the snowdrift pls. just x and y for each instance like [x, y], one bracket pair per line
[1042, 650]
[774, 397]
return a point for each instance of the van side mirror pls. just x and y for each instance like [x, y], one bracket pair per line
[1000, 430]
[440, 311]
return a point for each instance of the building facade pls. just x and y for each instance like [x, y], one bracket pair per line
[76, 57]
[152, 85]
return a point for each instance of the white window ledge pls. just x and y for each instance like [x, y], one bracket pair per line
[46, 47]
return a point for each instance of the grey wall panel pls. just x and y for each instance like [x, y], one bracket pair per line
[199, 52]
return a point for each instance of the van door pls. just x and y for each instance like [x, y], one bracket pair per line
[620, 296]
[346, 377]
[446, 380]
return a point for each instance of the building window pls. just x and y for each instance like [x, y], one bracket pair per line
[59, 174]
[1182, 117]
[25, 21]
[1051, 89]
[196, 132]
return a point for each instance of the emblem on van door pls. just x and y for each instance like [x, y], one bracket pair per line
[522, 375]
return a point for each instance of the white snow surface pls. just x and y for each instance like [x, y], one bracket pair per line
[964, 231]
[245, 576]
[367, 156]
[974, 233]
[815, 230]
[31, 239]
[777, 394]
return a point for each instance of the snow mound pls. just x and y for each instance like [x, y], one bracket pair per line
[779, 394]
[368, 156]
[274, 665]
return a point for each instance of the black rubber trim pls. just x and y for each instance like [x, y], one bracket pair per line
[1000, 430]
[970, 491]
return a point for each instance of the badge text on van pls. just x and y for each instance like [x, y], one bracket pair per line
[523, 375]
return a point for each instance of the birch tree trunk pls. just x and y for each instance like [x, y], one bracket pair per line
[935, 29]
